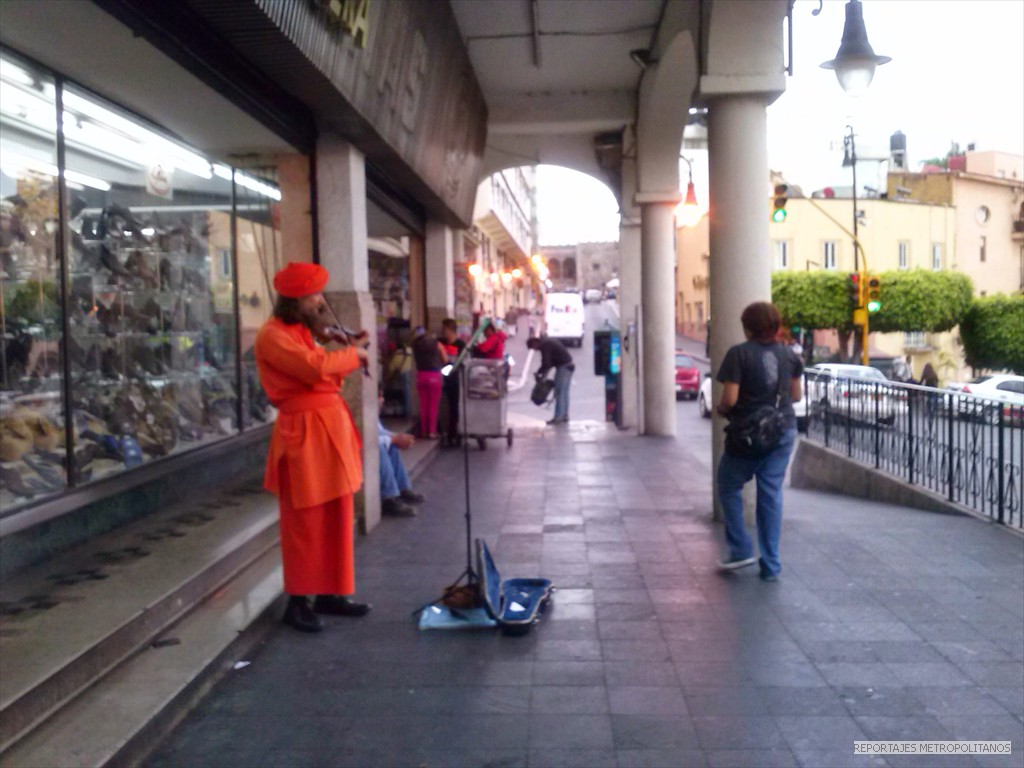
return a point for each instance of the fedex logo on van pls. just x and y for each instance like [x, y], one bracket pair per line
[562, 308]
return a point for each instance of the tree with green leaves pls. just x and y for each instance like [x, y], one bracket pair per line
[922, 300]
[915, 300]
[992, 333]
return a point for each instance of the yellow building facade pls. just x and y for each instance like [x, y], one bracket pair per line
[969, 219]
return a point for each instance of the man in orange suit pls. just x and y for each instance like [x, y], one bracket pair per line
[315, 461]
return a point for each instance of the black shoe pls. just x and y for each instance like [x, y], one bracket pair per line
[299, 615]
[395, 507]
[412, 497]
[336, 605]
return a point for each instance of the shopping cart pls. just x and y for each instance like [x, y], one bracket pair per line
[486, 401]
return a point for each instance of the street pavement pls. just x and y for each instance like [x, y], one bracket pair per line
[888, 623]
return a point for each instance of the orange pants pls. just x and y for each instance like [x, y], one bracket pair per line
[317, 545]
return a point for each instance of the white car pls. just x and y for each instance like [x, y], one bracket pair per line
[593, 296]
[704, 401]
[990, 393]
[840, 389]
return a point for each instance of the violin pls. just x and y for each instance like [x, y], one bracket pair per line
[326, 334]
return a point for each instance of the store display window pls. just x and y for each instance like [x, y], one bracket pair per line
[165, 277]
[32, 436]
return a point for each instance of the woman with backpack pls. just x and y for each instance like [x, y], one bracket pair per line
[761, 379]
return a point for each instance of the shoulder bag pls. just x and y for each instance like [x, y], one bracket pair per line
[758, 433]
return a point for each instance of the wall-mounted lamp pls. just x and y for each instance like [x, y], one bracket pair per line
[642, 57]
[689, 213]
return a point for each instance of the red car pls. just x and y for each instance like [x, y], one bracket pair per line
[687, 377]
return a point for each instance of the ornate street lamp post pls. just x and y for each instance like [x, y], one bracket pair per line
[854, 65]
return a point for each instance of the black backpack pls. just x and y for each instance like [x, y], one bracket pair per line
[758, 433]
[542, 391]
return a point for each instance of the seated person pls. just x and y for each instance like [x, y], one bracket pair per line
[396, 491]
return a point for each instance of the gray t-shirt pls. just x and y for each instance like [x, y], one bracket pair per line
[757, 367]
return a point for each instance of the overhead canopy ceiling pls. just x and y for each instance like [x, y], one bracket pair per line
[555, 74]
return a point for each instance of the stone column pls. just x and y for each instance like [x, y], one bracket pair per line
[657, 234]
[443, 248]
[629, 327]
[341, 222]
[740, 250]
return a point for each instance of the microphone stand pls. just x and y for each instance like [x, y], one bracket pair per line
[469, 574]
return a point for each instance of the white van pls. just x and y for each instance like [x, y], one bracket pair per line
[563, 317]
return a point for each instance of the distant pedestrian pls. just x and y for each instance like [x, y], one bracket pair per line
[929, 378]
[901, 370]
[430, 357]
[453, 347]
[754, 374]
[492, 346]
[553, 354]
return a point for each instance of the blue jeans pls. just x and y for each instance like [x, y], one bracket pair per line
[733, 473]
[563, 377]
[393, 478]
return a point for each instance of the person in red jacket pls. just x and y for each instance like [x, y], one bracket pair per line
[493, 345]
[314, 465]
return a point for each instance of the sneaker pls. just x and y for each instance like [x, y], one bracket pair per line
[736, 563]
[769, 576]
[299, 615]
[395, 507]
[558, 421]
[412, 497]
[336, 605]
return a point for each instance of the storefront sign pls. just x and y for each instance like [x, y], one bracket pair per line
[160, 181]
[352, 17]
[411, 83]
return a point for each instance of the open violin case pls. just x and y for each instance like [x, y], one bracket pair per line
[516, 604]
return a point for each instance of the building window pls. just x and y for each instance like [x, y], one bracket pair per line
[981, 248]
[904, 259]
[914, 340]
[781, 250]
[700, 313]
[936, 256]
[828, 254]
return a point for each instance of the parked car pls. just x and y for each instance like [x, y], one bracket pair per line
[990, 394]
[837, 390]
[704, 401]
[593, 296]
[704, 397]
[687, 377]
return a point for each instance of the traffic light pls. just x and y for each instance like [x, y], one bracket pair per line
[781, 196]
[854, 291]
[874, 294]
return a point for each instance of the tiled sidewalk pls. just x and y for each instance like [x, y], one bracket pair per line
[888, 623]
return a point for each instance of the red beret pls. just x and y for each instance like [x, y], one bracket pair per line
[300, 279]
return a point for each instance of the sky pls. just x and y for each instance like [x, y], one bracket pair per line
[957, 74]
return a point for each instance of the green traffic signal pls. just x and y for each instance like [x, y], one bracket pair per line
[874, 302]
[779, 208]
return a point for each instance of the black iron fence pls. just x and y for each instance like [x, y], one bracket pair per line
[964, 447]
